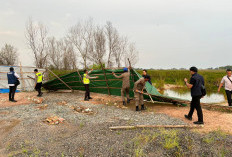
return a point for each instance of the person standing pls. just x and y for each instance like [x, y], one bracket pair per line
[38, 82]
[13, 83]
[195, 85]
[138, 92]
[148, 76]
[86, 81]
[227, 81]
[125, 84]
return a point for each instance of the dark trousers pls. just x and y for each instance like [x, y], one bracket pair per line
[38, 88]
[12, 92]
[195, 104]
[228, 94]
[87, 92]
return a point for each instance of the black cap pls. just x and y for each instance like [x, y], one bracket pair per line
[36, 70]
[194, 69]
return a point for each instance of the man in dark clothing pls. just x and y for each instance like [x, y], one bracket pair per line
[195, 85]
[148, 76]
[12, 82]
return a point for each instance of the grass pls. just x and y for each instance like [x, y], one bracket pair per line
[161, 77]
[81, 125]
[170, 139]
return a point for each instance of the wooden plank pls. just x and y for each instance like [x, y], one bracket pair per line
[155, 126]
[22, 72]
[60, 79]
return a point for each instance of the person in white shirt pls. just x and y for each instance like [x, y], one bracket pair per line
[13, 83]
[227, 81]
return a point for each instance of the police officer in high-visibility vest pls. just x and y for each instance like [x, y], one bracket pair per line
[38, 82]
[86, 81]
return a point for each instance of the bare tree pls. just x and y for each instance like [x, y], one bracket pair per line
[112, 41]
[99, 46]
[8, 55]
[69, 56]
[55, 53]
[81, 36]
[36, 36]
[132, 54]
[120, 51]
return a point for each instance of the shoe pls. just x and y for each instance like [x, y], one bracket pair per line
[86, 99]
[13, 101]
[124, 103]
[198, 123]
[187, 117]
[41, 94]
[137, 108]
[128, 101]
[90, 98]
[143, 107]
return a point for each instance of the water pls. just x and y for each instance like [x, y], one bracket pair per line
[213, 97]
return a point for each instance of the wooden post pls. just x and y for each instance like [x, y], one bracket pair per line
[106, 79]
[60, 79]
[21, 74]
[79, 76]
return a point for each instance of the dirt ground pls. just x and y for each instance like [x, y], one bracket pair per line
[24, 131]
[213, 120]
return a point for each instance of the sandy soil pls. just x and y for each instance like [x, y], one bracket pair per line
[213, 119]
[24, 132]
[21, 98]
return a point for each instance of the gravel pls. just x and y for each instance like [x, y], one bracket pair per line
[79, 135]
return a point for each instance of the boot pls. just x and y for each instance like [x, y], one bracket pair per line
[124, 103]
[90, 98]
[142, 107]
[86, 99]
[128, 100]
[137, 108]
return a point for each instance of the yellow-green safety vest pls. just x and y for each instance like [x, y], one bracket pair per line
[85, 79]
[39, 77]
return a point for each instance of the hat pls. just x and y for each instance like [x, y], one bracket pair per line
[125, 69]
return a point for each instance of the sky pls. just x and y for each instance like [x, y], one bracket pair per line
[167, 33]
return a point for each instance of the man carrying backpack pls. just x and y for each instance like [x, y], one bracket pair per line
[196, 85]
[227, 81]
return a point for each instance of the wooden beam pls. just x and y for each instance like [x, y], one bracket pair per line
[155, 126]
[60, 79]
[21, 74]
[105, 79]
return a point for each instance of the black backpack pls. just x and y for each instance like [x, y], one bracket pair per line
[203, 90]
